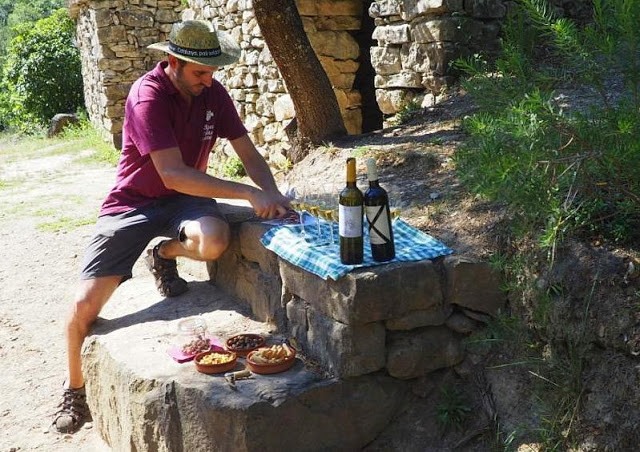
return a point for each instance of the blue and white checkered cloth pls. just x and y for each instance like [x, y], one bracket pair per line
[317, 255]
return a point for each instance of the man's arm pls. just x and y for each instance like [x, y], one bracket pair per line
[179, 177]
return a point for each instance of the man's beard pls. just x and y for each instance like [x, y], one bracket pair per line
[188, 88]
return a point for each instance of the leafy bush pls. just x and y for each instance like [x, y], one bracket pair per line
[562, 172]
[42, 72]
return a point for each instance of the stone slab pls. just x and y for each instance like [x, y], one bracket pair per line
[367, 295]
[144, 401]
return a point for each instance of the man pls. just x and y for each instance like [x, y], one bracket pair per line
[173, 116]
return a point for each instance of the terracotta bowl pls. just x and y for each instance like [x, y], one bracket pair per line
[271, 368]
[244, 351]
[215, 368]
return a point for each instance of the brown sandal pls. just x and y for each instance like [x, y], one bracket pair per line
[73, 411]
[165, 271]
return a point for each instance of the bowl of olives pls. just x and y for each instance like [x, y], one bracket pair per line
[242, 344]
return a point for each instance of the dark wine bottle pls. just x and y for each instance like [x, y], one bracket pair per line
[376, 206]
[350, 213]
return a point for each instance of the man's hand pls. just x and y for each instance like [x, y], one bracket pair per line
[269, 204]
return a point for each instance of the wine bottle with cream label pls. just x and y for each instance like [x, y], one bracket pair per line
[376, 206]
[350, 213]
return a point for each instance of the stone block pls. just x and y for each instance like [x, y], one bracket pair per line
[142, 400]
[405, 79]
[338, 23]
[252, 250]
[386, 60]
[118, 91]
[414, 354]
[449, 29]
[385, 8]
[136, 18]
[260, 290]
[340, 45]
[436, 84]
[392, 34]
[340, 8]
[345, 350]
[434, 316]
[167, 16]
[115, 33]
[414, 8]
[367, 295]
[462, 324]
[114, 64]
[413, 57]
[283, 108]
[440, 55]
[473, 284]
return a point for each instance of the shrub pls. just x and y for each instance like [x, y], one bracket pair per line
[562, 172]
[42, 72]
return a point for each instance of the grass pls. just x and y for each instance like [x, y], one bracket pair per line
[14, 147]
[65, 224]
[453, 409]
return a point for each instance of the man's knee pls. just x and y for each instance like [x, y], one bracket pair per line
[83, 313]
[212, 247]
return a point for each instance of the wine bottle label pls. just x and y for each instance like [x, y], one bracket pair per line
[350, 221]
[379, 233]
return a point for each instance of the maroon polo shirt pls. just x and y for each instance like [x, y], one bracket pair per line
[156, 118]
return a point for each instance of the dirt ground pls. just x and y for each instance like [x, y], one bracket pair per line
[50, 199]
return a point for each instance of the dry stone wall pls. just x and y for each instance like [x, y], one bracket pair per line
[406, 319]
[416, 40]
[255, 83]
[112, 36]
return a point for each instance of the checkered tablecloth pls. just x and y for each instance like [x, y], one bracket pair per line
[317, 255]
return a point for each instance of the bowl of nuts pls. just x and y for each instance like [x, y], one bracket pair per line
[215, 362]
[242, 344]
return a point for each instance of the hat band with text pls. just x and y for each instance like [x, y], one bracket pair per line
[199, 53]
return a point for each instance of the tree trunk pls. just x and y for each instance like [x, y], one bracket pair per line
[317, 112]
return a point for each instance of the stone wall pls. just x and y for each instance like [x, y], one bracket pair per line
[112, 36]
[255, 82]
[416, 39]
[407, 318]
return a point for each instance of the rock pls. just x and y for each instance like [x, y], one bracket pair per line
[415, 354]
[461, 324]
[59, 122]
[368, 295]
[473, 284]
[144, 401]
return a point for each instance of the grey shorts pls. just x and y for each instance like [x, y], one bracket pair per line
[119, 240]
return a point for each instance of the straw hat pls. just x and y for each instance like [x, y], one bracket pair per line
[198, 42]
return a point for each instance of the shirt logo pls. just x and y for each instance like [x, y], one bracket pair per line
[209, 115]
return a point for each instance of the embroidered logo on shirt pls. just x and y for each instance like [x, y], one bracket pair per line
[208, 128]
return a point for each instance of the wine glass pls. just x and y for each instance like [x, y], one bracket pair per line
[314, 208]
[327, 214]
[299, 207]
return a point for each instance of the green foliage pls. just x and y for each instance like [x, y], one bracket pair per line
[562, 173]
[42, 72]
[407, 112]
[13, 13]
[453, 409]
[233, 168]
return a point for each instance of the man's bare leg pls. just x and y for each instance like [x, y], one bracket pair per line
[91, 296]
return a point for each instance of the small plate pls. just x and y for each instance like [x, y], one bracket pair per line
[215, 368]
[274, 368]
[244, 351]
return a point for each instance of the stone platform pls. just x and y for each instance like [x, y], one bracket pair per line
[364, 338]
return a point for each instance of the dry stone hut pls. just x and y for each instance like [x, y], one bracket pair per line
[379, 55]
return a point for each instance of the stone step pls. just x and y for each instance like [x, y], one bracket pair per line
[142, 400]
